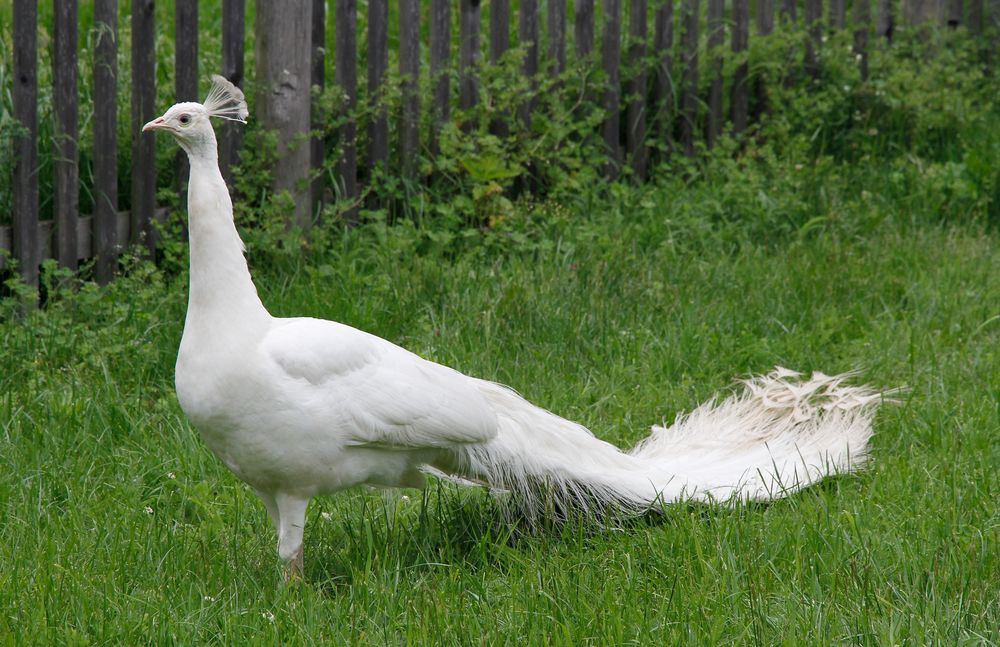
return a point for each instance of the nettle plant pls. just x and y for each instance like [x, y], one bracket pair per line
[924, 89]
[523, 138]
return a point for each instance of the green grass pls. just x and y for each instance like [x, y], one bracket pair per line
[119, 527]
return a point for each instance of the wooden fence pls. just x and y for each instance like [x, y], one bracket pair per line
[650, 92]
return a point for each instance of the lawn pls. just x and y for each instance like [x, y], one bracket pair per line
[618, 311]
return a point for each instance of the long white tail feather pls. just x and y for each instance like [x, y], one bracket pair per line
[779, 434]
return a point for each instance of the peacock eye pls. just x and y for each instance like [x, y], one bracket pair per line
[185, 119]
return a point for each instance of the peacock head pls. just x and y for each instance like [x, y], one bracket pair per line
[190, 122]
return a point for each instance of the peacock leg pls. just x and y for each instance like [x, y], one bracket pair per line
[272, 509]
[292, 513]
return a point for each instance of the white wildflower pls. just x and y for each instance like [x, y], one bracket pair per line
[148, 510]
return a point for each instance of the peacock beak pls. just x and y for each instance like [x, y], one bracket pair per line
[157, 124]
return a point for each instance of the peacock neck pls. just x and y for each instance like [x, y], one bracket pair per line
[223, 299]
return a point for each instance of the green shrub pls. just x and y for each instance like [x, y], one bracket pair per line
[917, 121]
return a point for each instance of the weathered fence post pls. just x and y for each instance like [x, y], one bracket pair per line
[143, 110]
[409, 70]
[884, 21]
[378, 64]
[440, 55]
[584, 28]
[346, 73]
[788, 11]
[186, 50]
[954, 13]
[765, 27]
[689, 82]
[915, 12]
[975, 17]
[739, 44]
[468, 54]
[838, 14]
[26, 143]
[583, 35]
[814, 14]
[233, 31]
[716, 38]
[765, 17]
[663, 83]
[499, 44]
[283, 55]
[66, 104]
[557, 36]
[499, 29]
[528, 35]
[185, 68]
[611, 55]
[862, 22]
[317, 63]
[105, 223]
[635, 112]
[992, 27]
[787, 17]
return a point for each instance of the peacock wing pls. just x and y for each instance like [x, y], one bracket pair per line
[388, 395]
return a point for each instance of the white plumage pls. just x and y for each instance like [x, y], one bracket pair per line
[301, 407]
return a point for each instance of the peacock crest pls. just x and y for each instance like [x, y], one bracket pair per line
[225, 100]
